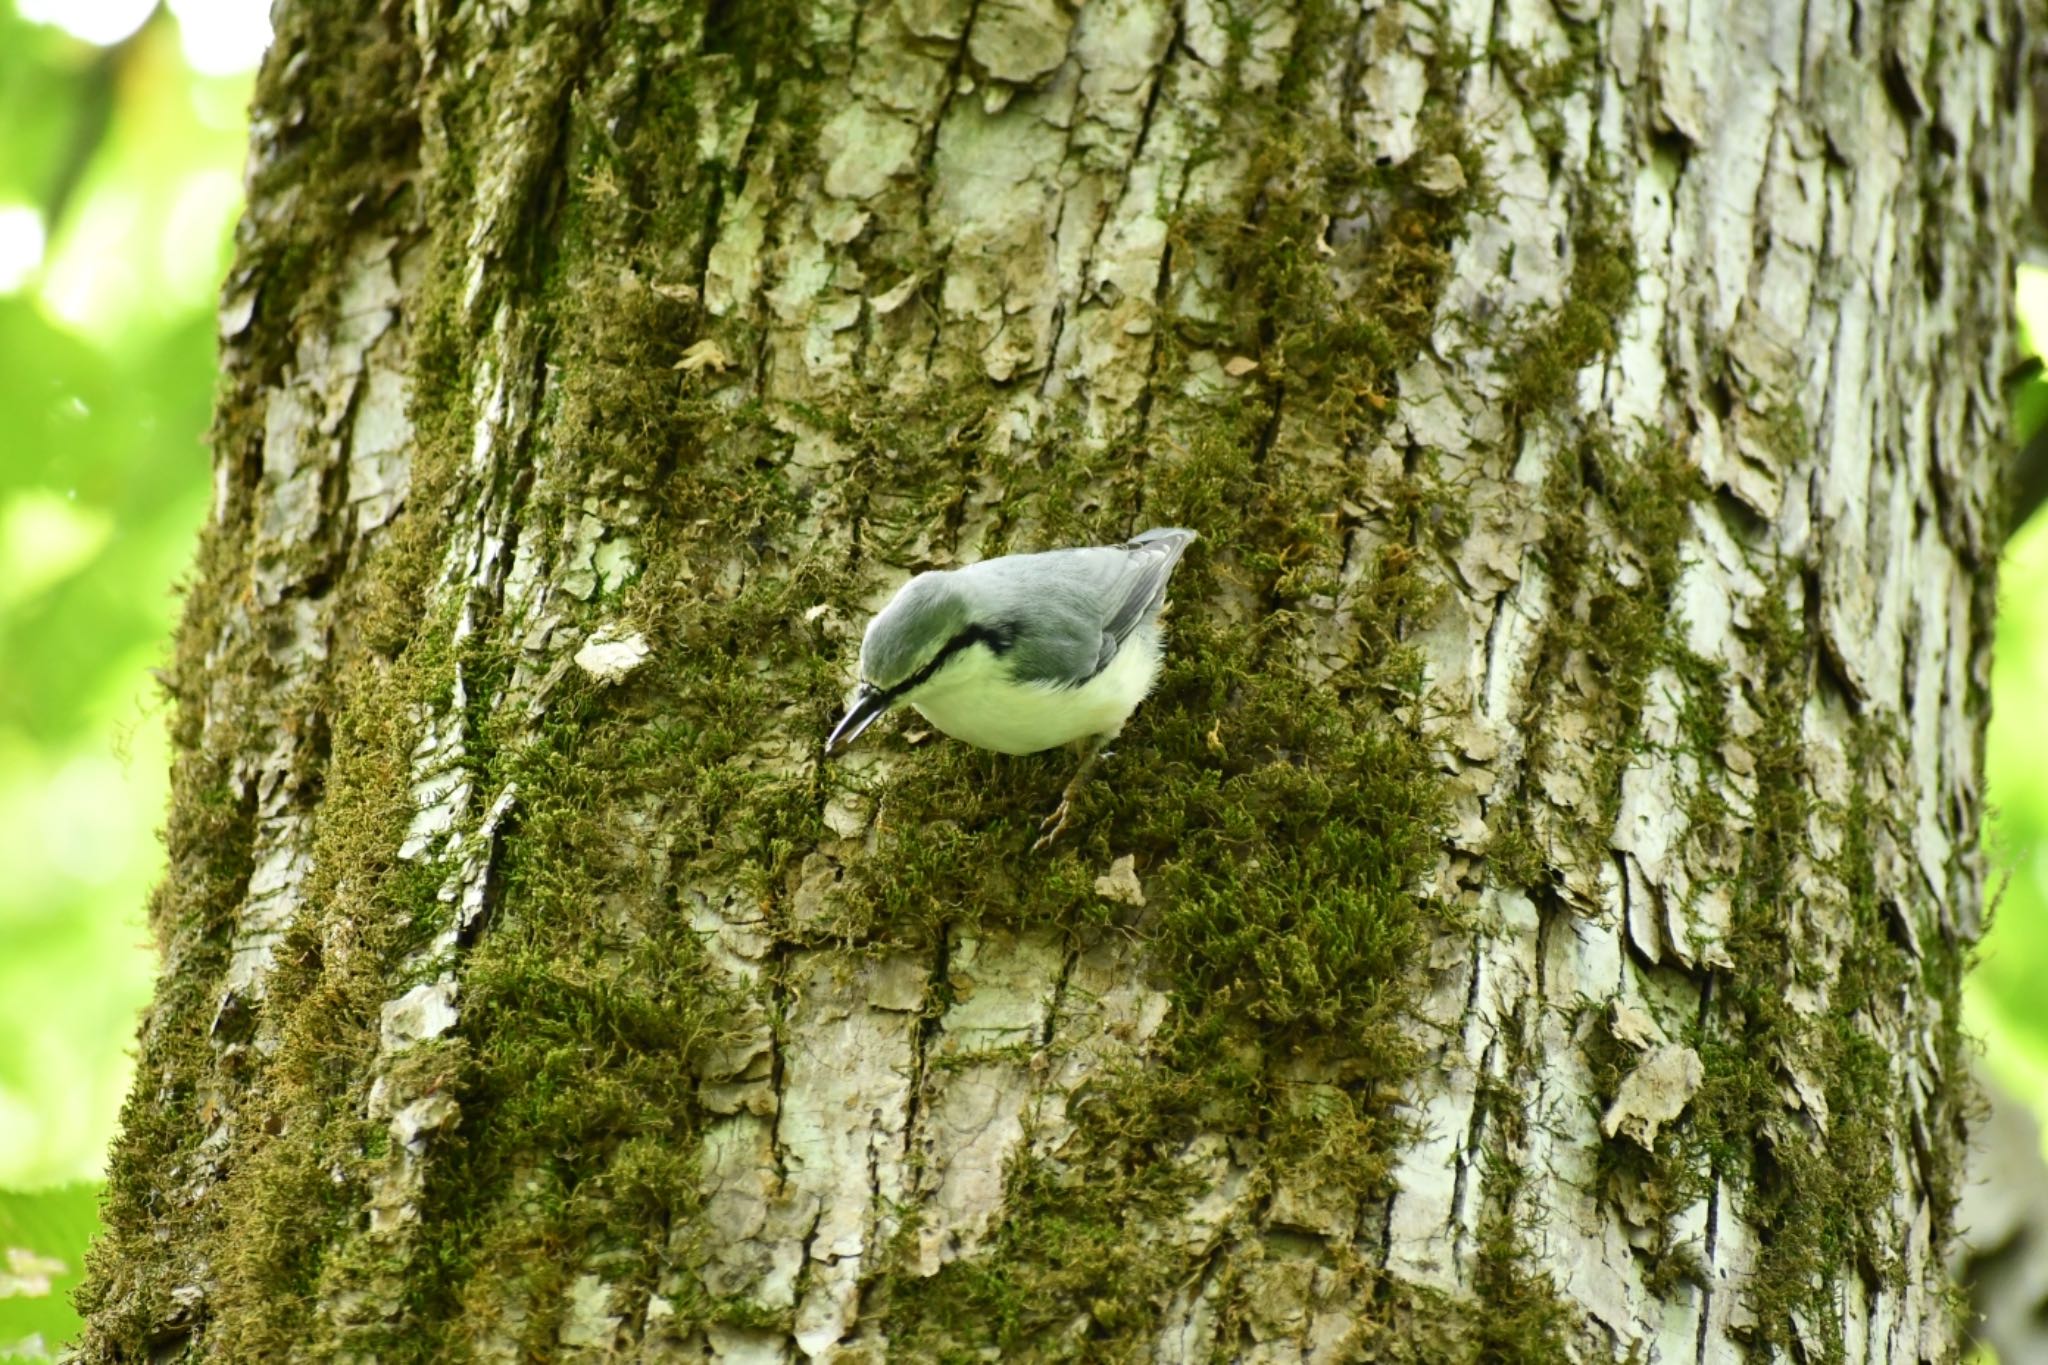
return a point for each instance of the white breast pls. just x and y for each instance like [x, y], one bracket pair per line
[974, 702]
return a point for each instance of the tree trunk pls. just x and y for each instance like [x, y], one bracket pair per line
[1524, 925]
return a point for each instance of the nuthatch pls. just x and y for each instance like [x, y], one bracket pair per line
[1023, 653]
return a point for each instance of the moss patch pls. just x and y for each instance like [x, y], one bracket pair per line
[1281, 803]
[1819, 1192]
[1614, 523]
[1815, 1180]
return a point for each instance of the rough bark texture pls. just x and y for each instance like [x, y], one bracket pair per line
[1526, 923]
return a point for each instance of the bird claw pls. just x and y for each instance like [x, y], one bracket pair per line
[1050, 827]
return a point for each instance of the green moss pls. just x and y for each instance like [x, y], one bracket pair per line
[1818, 1199]
[1819, 1194]
[1063, 1276]
[1614, 520]
[1547, 84]
[1615, 515]
[337, 143]
[1529, 1321]
[1818, 1191]
[1544, 373]
[1284, 820]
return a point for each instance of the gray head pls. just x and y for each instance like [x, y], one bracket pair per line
[905, 635]
[926, 623]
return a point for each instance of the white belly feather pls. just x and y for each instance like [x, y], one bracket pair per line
[974, 702]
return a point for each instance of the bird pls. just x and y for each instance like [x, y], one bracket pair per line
[1023, 653]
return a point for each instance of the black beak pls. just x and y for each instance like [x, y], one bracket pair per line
[868, 706]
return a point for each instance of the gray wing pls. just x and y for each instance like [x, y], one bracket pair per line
[1151, 558]
[1076, 608]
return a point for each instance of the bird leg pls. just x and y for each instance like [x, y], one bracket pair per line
[1051, 826]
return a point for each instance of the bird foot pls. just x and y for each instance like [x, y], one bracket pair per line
[1050, 827]
[1057, 821]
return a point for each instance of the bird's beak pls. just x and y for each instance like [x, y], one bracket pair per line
[867, 707]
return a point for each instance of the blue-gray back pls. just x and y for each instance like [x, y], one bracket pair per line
[1065, 613]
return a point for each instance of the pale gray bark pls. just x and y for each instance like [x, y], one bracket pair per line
[439, 535]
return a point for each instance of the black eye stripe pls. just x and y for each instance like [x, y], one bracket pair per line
[997, 638]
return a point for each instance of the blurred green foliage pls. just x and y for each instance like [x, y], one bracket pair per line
[2008, 1006]
[128, 162]
[43, 1236]
[129, 158]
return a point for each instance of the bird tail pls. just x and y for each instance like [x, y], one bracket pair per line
[1164, 545]
[1171, 539]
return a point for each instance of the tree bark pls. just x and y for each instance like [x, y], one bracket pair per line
[1524, 925]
